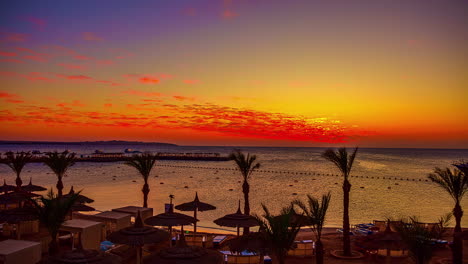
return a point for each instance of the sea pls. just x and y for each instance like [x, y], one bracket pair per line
[386, 182]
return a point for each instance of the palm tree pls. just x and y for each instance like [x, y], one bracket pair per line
[59, 164]
[418, 239]
[344, 162]
[316, 215]
[143, 163]
[17, 162]
[52, 212]
[246, 165]
[278, 232]
[456, 184]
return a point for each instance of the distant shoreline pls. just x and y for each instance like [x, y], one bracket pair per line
[110, 142]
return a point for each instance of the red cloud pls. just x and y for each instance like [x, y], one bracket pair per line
[12, 60]
[8, 54]
[36, 76]
[89, 36]
[75, 77]
[183, 98]
[72, 66]
[148, 80]
[37, 58]
[39, 23]
[107, 105]
[105, 62]
[13, 37]
[141, 93]
[10, 98]
[82, 57]
[228, 14]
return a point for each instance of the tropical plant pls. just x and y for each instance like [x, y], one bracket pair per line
[315, 213]
[52, 211]
[455, 182]
[59, 163]
[17, 162]
[417, 238]
[246, 165]
[441, 226]
[143, 163]
[344, 162]
[279, 232]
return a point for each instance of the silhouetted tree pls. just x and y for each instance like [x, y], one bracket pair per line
[59, 163]
[418, 240]
[143, 163]
[17, 162]
[52, 212]
[456, 184]
[344, 162]
[278, 232]
[316, 212]
[246, 165]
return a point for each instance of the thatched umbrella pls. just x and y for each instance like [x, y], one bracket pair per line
[138, 235]
[387, 239]
[17, 196]
[82, 208]
[171, 219]
[237, 220]
[6, 188]
[32, 188]
[84, 256]
[195, 206]
[81, 198]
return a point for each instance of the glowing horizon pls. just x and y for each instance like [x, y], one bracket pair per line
[254, 73]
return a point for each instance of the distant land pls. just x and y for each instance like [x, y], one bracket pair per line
[109, 142]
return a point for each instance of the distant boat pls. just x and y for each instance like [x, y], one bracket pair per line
[131, 151]
[98, 151]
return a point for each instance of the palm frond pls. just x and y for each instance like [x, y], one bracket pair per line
[59, 163]
[143, 163]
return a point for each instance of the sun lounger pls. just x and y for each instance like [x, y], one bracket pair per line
[363, 231]
[218, 240]
[340, 230]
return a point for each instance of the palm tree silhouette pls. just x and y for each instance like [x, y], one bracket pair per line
[59, 163]
[456, 184]
[17, 162]
[278, 232]
[143, 163]
[344, 162]
[52, 211]
[246, 165]
[316, 212]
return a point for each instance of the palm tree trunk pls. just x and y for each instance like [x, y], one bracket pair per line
[145, 191]
[346, 237]
[59, 186]
[277, 258]
[245, 190]
[457, 247]
[53, 246]
[19, 182]
[319, 252]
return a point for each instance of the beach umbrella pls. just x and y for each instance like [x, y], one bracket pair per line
[138, 235]
[82, 208]
[17, 196]
[387, 239]
[171, 219]
[195, 206]
[32, 188]
[237, 220]
[80, 199]
[6, 188]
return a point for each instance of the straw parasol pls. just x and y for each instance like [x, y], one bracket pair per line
[195, 206]
[17, 196]
[138, 235]
[387, 239]
[80, 199]
[82, 208]
[237, 220]
[6, 188]
[171, 219]
[32, 188]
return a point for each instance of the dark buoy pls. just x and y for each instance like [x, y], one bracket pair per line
[133, 181]
[230, 189]
[161, 183]
[362, 187]
[290, 185]
[217, 178]
[186, 187]
[397, 183]
[389, 187]
[336, 183]
[296, 181]
[294, 193]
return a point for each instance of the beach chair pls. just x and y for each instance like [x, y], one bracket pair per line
[380, 224]
[218, 240]
[243, 259]
[195, 240]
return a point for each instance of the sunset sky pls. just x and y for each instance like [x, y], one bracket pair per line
[375, 73]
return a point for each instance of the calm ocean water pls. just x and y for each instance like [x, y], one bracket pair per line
[371, 198]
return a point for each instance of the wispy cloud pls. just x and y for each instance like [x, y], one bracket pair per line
[13, 37]
[90, 36]
[10, 98]
[38, 23]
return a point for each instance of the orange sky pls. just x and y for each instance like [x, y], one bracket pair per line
[301, 73]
